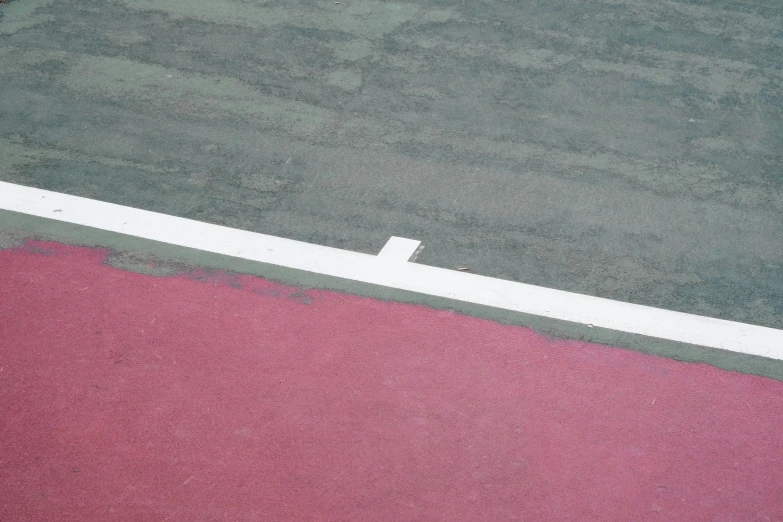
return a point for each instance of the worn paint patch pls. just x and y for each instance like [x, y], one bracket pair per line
[173, 90]
[11, 239]
[359, 17]
[348, 79]
[17, 16]
[142, 264]
[352, 50]
[19, 155]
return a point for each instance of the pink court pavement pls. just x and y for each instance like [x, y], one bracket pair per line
[208, 396]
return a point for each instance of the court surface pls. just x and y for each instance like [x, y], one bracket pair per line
[224, 330]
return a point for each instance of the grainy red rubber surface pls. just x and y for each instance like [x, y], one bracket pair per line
[215, 397]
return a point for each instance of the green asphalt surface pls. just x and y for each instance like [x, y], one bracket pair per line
[628, 149]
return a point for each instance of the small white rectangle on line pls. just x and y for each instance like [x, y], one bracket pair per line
[400, 248]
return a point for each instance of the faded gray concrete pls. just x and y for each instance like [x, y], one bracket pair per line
[624, 148]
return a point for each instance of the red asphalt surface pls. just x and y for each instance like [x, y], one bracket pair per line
[210, 396]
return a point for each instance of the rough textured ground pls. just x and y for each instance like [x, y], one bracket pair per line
[622, 148]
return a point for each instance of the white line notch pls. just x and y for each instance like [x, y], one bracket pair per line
[401, 249]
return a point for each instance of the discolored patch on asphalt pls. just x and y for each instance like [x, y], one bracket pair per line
[143, 264]
[10, 239]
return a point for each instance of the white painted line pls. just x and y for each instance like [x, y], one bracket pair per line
[519, 297]
[400, 249]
